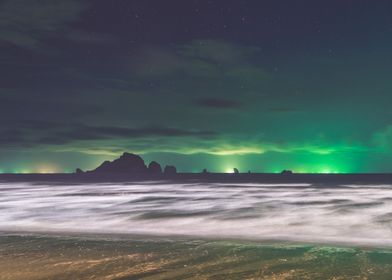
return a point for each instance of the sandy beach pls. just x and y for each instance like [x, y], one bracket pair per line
[36, 257]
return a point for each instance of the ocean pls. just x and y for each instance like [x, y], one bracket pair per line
[301, 212]
[195, 230]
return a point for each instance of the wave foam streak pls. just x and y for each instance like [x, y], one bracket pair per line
[294, 212]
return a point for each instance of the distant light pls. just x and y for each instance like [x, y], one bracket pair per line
[327, 171]
[45, 169]
[230, 170]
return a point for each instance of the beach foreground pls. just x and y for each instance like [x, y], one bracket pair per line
[86, 257]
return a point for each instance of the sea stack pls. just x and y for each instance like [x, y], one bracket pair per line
[127, 163]
[154, 168]
[79, 171]
[170, 170]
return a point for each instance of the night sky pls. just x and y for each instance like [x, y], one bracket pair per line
[257, 85]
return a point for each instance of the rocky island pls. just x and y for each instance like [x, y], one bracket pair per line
[130, 164]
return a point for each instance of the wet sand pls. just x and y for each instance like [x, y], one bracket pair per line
[87, 257]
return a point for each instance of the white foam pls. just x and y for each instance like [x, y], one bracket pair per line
[347, 214]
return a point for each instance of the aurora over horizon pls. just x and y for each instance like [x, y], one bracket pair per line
[257, 85]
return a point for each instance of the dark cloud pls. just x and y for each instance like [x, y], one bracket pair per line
[11, 136]
[83, 132]
[27, 24]
[197, 60]
[218, 51]
[91, 38]
[17, 106]
[35, 133]
[78, 90]
[284, 110]
[218, 103]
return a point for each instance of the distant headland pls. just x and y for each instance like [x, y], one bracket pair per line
[132, 164]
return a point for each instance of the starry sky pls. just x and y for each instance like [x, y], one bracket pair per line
[253, 84]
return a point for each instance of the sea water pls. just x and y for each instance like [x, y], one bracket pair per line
[316, 213]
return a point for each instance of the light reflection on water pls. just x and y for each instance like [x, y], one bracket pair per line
[295, 212]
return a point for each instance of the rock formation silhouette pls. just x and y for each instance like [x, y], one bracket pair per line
[170, 170]
[79, 171]
[127, 163]
[131, 164]
[154, 168]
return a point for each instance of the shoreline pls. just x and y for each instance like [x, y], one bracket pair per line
[34, 257]
[113, 237]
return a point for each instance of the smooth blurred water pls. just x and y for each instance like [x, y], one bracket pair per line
[353, 214]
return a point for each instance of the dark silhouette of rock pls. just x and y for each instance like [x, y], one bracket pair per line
[79, 171]
[235, 171]
[127, 163]
[154, 168]
[170, 169]
[286, 172]
[205, 171]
